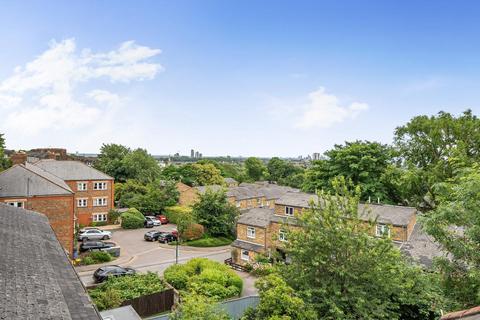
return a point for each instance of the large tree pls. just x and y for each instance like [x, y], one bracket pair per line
[362, 162]
[140, 165]
[284, 172]
[110, 161]
[455, 224]
[4, 161]
[437, 147]
[344, 273]
[255, 169]
[215, 213]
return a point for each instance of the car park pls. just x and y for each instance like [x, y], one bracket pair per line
[152, 235]
[166, 237]
[95, 245]
[103, 273]
[94, 234]
[154, 220]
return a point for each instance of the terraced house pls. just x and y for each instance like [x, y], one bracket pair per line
[263, 230]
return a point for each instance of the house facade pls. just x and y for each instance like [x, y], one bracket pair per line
[264, 231]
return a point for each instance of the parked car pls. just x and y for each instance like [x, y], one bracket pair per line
[103, 273]
[148, 223]
[155, 221]
[93, 234]
[162, 218]
[166, 237]
[95, 245]
[152, 235]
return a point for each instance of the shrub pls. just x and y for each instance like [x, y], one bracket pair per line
[177, 213]
[99, 223]
[193, 232]
[208, 241]
[114, 216]
[205, 277]
[132, 219]
[88, 261]
[95, 257]
[114, 291]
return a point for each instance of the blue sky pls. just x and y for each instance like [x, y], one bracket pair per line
[261, 78]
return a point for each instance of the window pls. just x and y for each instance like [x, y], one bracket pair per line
[251, 232]
[99, 217]
[289, 211]
[81, 203]
[238, 204]
[382, 230]
[99, 186]
[17, 204]
[99, 202]
[267, 204]
[81, 186]
[282, 235]
[245, 255]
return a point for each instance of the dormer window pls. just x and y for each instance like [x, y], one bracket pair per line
[289, 211]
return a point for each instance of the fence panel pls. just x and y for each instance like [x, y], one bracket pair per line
[153, 303]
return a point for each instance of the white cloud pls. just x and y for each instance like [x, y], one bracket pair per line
[46, 93]
[324, 110]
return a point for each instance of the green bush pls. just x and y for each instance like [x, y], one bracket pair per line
[209, 241]
[132, 219]
[193, 232]
[88, 261]
[114, 216]
[205, 277]
[95, 257]
[114, 291]
[177, 213]
[99, 223]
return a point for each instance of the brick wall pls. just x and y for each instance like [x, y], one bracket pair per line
[280, 210]
[188, 195]
[85, 214]
[259, 234]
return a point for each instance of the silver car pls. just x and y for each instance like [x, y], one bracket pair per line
[93, 234]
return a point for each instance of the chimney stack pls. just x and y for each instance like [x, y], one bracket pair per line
[19, 157]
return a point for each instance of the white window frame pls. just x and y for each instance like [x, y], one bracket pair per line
[100, 202]
[82, 186]
[100, 185]
[289, 211]
[82, 202]
[243, 256]
[100, 217]
[239, 204]
[382, 229]
[16, 204]
[251, 232]
[282, 235]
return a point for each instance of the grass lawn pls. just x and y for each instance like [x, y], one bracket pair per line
[207, 241]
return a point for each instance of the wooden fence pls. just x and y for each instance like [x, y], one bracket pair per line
[152, 304]
[234, 265]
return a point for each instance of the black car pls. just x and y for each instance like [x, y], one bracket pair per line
[165, 237]
[95, 245]
[152, 235]
[103, 273]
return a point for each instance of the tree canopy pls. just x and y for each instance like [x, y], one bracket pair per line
[4, 161]
[255, 169]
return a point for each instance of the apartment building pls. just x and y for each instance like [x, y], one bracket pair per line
[93, 190]
[263, 230]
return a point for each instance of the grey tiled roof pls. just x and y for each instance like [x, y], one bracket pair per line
[421, 247]
[27, 180]
[36, 279]
[71, 170]
[259, 217]
[248, 246]
[297, 199]
[242, 193]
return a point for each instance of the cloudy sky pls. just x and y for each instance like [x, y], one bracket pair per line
[261, 78]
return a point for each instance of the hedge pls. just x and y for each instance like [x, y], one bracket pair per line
[176, 213]
[205, 277]
[95, 257]
[193, 232]
[132, 219]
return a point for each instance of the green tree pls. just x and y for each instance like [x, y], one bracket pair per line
[110, 161]
[207, 174]
[362, 162]
[215, 213]
[455, 224]
[197, 307]
[255, 169]
[344, 273]
[437, 147]
[278, 301]
[4, 161]
[140, 165]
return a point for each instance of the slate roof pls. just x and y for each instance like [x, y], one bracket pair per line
[229, 180]
[421, 247]
[28, 180]
[297, 199]
[37, 280]
[248, 246]
[243, 193]
[71, 170]
[259, 217]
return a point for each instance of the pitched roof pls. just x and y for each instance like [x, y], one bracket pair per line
[248, 246]
[421, 247]
[297, 199]
[36, 277]
[242, 193]
[259, 217]
[27, 180]
[71, 170]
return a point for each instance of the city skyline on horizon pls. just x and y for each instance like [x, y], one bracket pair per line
[285, 79]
